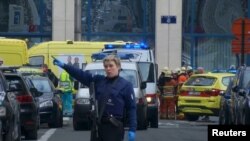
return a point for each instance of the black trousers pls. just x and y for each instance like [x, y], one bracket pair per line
[110, 132]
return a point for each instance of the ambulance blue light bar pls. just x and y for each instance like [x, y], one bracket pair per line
[122, 56]
[127, 46]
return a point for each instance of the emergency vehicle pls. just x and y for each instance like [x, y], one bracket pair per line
[13, 52]
[66, 51]
[144, 56]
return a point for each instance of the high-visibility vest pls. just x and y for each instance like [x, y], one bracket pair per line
[65, 83]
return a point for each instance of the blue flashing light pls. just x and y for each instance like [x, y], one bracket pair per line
[122, 56]
[127, 46]
[98, 56]
[234, 71]
[108, 46]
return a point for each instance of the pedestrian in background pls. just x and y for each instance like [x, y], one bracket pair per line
[48, 73]
[120, 95]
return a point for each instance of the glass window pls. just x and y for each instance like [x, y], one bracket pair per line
[1, 85]
[147, 71]
[42, 85]
[246, 78]
[36, 60]
[129, 75]
[200, 81]
[118, 17]
[26, 16]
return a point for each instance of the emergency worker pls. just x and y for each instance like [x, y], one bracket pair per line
[168, 95]
[200, 70]
[161, 79]
[182, 76]
[66, 86]
[189, 71]
[120, 93]
[48, 73]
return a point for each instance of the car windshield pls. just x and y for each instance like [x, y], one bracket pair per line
[200, 81]
[147, 71]
[1, 85]
[246, 78]
[15, 84]
[42, 85]
[129, 75]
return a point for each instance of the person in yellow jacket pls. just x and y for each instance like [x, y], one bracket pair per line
[65, 84]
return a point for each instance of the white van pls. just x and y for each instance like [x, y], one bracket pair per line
[130, 71]
[144, 56]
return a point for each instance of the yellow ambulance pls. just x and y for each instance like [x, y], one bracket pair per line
[76, 53]
[13, 52]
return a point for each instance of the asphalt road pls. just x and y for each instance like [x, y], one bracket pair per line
[169, 130]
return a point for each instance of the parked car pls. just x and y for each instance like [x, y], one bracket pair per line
[50, 103]
[240, 97]
[130, 71]
[200, 94]
[225, 114]
[9, 113]
[29, 115]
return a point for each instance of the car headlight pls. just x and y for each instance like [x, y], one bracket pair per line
[82, 101]
[2, 111]
[46, 104]
[149, 99]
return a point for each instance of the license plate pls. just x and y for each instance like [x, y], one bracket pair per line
[194, 93]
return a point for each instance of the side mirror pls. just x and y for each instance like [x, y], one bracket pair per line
[242, 92]
[35, 92]
[58, 91]
[143, 85]
[222, 93]
[235, 89]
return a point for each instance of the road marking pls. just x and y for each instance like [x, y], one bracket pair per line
[47, 135]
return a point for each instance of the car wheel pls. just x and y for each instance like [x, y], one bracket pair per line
[31, 134]
[57, 119]
[76, 124]
[142, 121]
[191, 117]
[19, 133]
[222, 117]
[9, 135]
[246, 117]
[154, 120]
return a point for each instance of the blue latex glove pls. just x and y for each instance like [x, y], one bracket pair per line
[131, 136]
[58, 63]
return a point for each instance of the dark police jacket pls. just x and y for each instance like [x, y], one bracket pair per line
[121, 93]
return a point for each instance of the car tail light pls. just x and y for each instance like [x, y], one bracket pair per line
[151, 98]
[184, 93]
[207, 93]
[24, 99]
[213, 92]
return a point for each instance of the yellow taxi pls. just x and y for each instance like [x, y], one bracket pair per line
[200, 95]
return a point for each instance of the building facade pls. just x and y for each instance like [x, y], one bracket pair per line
[182, 32]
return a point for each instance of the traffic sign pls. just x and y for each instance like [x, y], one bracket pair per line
[168, 19]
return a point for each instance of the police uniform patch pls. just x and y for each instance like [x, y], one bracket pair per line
[110, 102]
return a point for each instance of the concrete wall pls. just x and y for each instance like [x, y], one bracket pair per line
[63, 20]
[168, 37]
